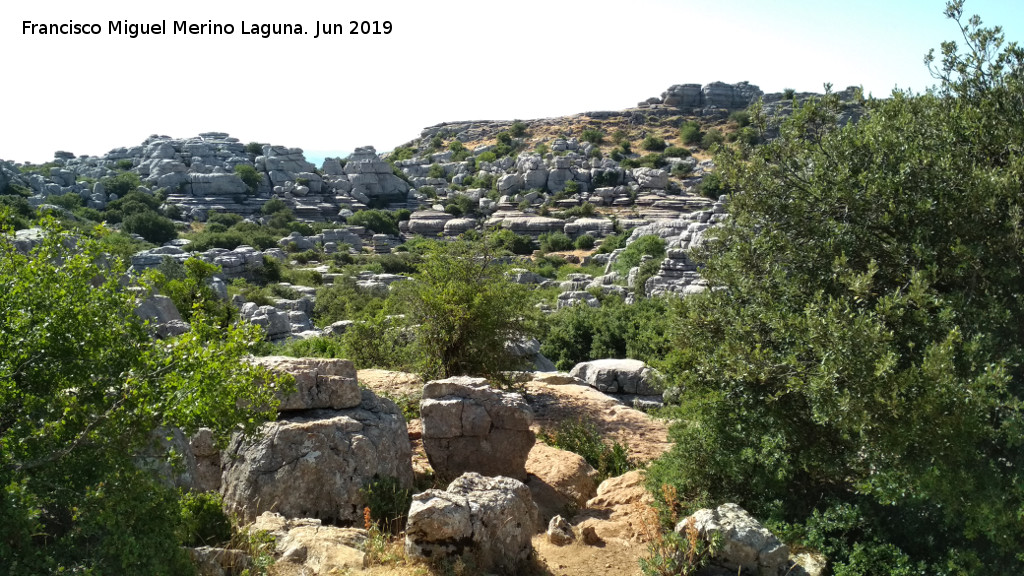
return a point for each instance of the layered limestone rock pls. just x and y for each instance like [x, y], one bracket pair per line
[470, 427]
[618, 376]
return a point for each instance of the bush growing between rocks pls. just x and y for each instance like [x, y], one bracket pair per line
[250, 176]
[690, 133]
[653, 143]
[584, 242]
[593, 136]
[554, 242]
[151, 226]
[583, 438]
[652, 246]
[379, 221]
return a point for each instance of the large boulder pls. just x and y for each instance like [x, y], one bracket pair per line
[746, 544]
[493, 519]
[314, 463]
[470, 427]
[319, 382]
[561, 481]
[618, 376]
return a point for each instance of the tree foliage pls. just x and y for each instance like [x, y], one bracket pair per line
[464, 312]
[83, 387]
[859, 368]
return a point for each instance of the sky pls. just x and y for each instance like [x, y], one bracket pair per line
[443, 61]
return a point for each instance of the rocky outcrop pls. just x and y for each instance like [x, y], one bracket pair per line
[319, 382]
[163, 317]
[746, 544]
[470, 427]
[618, 376]
[714, 95]
[491, 518]
[315, 548]
[313, 463]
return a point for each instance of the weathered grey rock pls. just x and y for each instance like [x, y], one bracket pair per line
[317, 548]
[319, 382]
[492, 518]
[162, 315]
[428, 222]
[746, 544]
[211, 561]
[314, 465]
[618, 376]
[560, 532]
[651, 178]
[275, 323]
[470, 427]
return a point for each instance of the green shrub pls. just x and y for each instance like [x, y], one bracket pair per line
[121, 184]
[582, 437]
[653, 246]
[712, 185]
[68, 201]
[740, 117]
[690, 133]
[506, 239]
[203, 521]
[401, 153]
[250, 176]
[214, 227]
[228, 219]
[151, 226]
[378, 221]
[435, 171]
[342, 300]
[711, 139]
[123, 164]
[273, 206]
[612, 242]
[593, 136]
[487, 157]
[676, 152]
[88, 214]
[541, 148]
[788, 94]
[517, 129]
[584, 210]
[317, 347]
[554, 242]
[653, 143]
[584, 242]
[254, 148]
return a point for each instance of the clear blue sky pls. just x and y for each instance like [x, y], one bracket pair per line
[444, 61]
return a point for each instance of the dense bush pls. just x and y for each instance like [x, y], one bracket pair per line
[690, 133]
[711, 138]
[250, 176]
[517, 129]
[554, 242]
[615, 330]
[342, 300]
[653, 143]
[273, 206]
[676, 152]
[379, 221]
[858, 376]
[643, 246]
[584, 242]
[228, 219]
[121, 184]
[592, 135]
[506, 239]
[151, 226]
[83, 386]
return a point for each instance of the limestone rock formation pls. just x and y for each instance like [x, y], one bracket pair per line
[313, 463]
[317, 548]
[615, 376]
[470, 427]
[746, 544]
[492, 518]
[319, 382]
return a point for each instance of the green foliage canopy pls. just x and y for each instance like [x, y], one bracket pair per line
[861, 366]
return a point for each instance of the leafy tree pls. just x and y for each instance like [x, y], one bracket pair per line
[83, 387]
[188, 285]
[858, 372]
[463, 311]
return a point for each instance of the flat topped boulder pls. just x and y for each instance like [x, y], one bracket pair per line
[319, 382]
[470, 427]
[618, 376]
